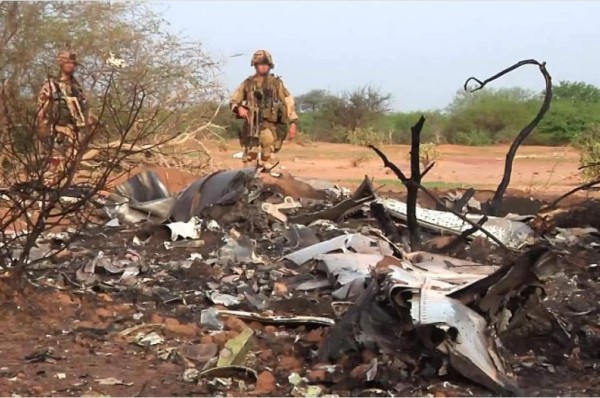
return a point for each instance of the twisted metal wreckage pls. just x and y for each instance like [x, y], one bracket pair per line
[427, 312]
[431, 308]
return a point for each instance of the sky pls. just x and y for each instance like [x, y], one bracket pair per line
[421, 52]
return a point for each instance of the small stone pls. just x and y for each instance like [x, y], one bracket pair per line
[235, 324]
[256, 326]
[62, 256]
[265, 383]
[270, 329]
[265, 355]
[104, 313]
[155, 318]
[315, 375]
[360, 371]
[368, 356]
[173, 326]
[200, 353]
[290, 364]
[280, 289]
[105, 297]
[220, 338]
[314, 336]
[208, 339]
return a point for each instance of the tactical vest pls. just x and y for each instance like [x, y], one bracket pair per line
[61, 115]
[268, 96]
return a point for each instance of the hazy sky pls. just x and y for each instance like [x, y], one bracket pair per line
[419, 51]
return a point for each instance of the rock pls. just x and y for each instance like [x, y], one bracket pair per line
[438, 242]
[105, 297]
[62, 256]
[360, 371]
[104, 313]
[155, 318]
[208, 339]
[270, 329]
[172, 326]
[315, 375]
[200, 353]
[314, 336]
[220, 338]
[265, 355]
[367, 356]
[265, 383]
[290, 364]
[257, 326]
[280, 289]
[235, 324]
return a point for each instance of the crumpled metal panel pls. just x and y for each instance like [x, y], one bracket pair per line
[357, 242]
[221, 187]
[143, 187]
[473, 344]
[513, 234]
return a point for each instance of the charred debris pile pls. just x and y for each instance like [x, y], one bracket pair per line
[482, 300]
[369, 295]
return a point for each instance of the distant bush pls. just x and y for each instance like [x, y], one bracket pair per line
[487, 117]
[588, 143]
[365, 136]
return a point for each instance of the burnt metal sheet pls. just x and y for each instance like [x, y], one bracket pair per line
[143, 187]
[221, 187]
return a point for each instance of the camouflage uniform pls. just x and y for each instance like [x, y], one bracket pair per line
[271, 108]
[62, 111]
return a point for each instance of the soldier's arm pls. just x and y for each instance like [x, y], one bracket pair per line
[237, 98]
[290, 105]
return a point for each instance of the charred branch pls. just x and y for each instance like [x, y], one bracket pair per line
[582, 187]
[495, 204]
[405, 181]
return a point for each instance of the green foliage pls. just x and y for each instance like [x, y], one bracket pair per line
[486, 117]
[364, 137]
[588, 143]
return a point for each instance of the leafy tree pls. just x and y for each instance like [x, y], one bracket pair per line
[314, 101]
[576, 92]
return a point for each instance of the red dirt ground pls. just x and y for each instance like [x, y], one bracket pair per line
[82, 329]
[536, 169]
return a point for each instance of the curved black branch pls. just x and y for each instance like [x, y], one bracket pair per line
[405, 181]
[496, 202]
[583, 187]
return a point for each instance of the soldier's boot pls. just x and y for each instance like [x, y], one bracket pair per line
[250, 157]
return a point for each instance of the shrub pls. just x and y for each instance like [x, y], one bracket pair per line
[588, 143]
[364, 137]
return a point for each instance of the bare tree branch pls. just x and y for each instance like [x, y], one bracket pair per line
[494, 206]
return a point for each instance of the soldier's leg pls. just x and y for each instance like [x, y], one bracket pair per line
[251, 150]
[267, 139]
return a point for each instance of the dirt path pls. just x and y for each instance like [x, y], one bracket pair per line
[536, 169]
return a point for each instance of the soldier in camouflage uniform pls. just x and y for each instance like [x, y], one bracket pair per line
[62, 110]
[267, 108]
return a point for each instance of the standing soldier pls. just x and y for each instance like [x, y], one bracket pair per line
[267, 108]
[62, 110]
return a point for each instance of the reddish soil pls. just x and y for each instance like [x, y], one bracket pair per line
[536, 169]
[82, 329]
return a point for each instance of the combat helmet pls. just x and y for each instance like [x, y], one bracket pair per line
[262, 57]
[66, 56]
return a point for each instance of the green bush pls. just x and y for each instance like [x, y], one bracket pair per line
[364, 137]
[588, 143]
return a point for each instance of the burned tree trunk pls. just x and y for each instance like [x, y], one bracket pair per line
[412, 187]
[412, 184]
[495, 204]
